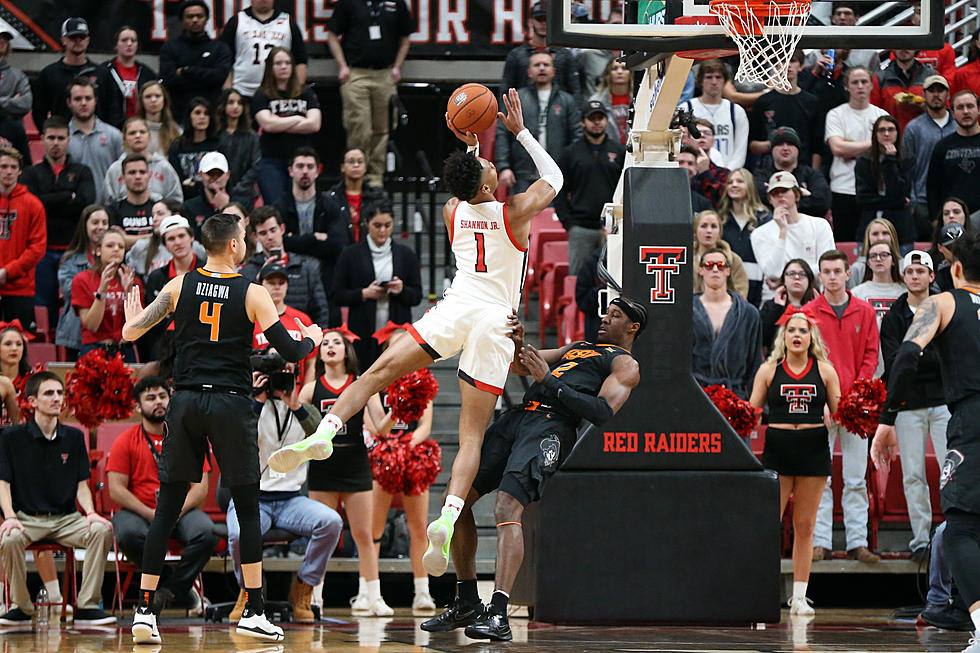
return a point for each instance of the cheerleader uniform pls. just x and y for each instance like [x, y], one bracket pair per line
[797, 399]
[348, 469]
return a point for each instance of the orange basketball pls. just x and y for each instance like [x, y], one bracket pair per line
[472, 108]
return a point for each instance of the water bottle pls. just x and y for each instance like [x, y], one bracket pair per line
[43, 610]
[829, 73]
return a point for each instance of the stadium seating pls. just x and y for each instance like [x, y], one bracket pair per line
[552, 270]
[848, 247]
[571, 321]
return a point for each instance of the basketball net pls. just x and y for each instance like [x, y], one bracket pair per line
[766, 33]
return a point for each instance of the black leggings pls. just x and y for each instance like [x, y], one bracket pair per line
[169, 503]
[963, 550]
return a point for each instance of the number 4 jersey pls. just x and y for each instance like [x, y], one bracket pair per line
[212, 332]
[472, 316]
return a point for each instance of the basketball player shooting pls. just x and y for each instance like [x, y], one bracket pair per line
[489, 240]
[214, 310]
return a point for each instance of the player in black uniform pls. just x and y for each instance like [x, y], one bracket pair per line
[525, 445]
[215, 311]
[952, 320]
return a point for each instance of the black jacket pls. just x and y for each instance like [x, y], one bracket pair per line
[244, 156]
[928, 378]
[113, 98]
[205, 63]
[50, 89]
[305, 291]
[338, 195]
[894, 202]
[355, 271]
[590, 176]
[566, 70]
[63, 198]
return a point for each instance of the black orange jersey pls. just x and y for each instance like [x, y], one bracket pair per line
[584, 368]
[212, 332]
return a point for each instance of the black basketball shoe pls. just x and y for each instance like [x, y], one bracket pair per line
[492, 624]
[458, 615]
[947, 617]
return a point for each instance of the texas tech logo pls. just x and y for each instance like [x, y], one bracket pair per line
[798, 396]
[662, 264]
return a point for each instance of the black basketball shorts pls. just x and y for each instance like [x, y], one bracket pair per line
[226, 420]
[959, 479]
[521, 450]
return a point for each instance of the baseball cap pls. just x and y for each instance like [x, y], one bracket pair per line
[594, 106]
[6, 34]
[172, 222]
[213, 161]
[935, 79]
[785, 135]
[917, 257]
[951, 233]
[74, 27]
[783, 179]
[271, 270]
[539, 9]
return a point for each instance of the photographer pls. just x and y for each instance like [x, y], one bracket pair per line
[282, 419]
[275, 279]
[378, 279]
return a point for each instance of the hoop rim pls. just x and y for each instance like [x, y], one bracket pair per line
[711, 53]
[762, 7]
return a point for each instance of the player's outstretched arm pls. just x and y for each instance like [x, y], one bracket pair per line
[262, 310]
[139, 320]
[535, 199]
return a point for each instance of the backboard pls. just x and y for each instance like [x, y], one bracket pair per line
[678, 25]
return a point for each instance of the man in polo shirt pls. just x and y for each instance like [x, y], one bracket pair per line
[275, 279]
[133, 484]
[93, 142]
[37, 496]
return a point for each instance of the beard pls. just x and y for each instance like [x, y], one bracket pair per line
[153, 418]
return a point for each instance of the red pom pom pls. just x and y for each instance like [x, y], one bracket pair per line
[387, 459]
[739, 413]
[859, 408]
[26, 412]
[410, 394]
[99, 389]
[423, 465]
[398, 467]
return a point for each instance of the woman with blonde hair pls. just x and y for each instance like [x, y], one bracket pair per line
[707, 235]
[796, 439]
[153, 106]
[879, 230]
[741, 211]
[616, 92]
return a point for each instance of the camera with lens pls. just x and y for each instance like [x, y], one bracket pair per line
[273, 365]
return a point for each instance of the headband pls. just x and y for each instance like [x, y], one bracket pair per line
[792, 311]
[385, 332]
[633, 314]
[345, 333]
[15, 324]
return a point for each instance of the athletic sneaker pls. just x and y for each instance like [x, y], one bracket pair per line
[974, 645]
[318, 446]
[948, 617]
[423, 605]
[145, 629]
[492, 624]
[93, 617]
[459, 615]
[16, 617]
[359, 606]
[256, 625]
[800, 606]
[440, 533]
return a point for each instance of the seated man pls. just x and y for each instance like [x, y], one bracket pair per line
[525, 445]
[284, 420]
[133, 484]
[38, 494]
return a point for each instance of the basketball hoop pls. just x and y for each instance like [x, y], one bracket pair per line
[766, 33]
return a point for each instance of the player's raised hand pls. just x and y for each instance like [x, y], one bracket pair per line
[514, 120]
[531, 359]
[313, 332]
[469, 138]
[134, 303]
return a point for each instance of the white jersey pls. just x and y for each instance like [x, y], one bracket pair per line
[490, 264]
[253, 40]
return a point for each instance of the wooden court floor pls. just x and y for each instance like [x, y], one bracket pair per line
[836, 631]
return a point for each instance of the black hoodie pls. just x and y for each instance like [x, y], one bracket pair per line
[928, 379]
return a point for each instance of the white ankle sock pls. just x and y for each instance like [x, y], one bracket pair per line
[361, 586]
[330, 420]
[454, 505]
[975, 616]
[422, 585]
[54, 591]
[799, 589]
[374, 589]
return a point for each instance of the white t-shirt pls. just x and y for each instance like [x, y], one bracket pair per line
[807, 239]
[731, 137]
[851, 125]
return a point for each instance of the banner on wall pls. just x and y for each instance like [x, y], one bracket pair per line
[456, 28]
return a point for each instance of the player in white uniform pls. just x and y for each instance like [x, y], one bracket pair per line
[251, 34]
[489, 240]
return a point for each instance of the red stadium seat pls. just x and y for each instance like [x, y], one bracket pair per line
[42, 325]
[850, 248]
[33, 133]
[923, 245]
[36, 148]
[890, 490]
[552, 283]
[41, 352]
[571, 321]
[108, 432]
[545, 228]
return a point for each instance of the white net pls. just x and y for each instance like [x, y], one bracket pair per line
[765, 42]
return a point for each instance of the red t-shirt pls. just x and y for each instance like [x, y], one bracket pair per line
[354, 201]
[57, 170]
[129, 76]
[130, 455]
[259, 341]
[83, 288]
[620, 111]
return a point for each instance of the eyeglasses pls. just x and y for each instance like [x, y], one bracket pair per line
[795, 274]
[879, 256]
[714, 265]
[887, 130]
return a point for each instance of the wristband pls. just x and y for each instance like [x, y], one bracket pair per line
[98, 295]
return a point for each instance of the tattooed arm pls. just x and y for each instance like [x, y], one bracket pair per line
[139, 320]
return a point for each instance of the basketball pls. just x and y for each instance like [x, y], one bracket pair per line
[472, 108]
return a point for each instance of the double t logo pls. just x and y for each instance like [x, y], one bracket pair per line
[662, 263]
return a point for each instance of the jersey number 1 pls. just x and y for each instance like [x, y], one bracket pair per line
[211, 315]
[481, 252]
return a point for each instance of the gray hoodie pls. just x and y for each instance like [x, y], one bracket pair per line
[164, 182]
[14, 83]
[919, 138]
